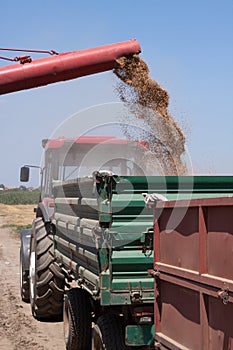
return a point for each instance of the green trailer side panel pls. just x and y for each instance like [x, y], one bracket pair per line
[138, 335]
[105, 228]
[126, 276]
[134, 260]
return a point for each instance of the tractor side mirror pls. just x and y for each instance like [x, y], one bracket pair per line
[24, 174]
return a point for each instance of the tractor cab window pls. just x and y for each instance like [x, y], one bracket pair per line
[76, 160]
[83, 160]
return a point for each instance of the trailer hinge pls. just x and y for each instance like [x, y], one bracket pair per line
[154, 272]
[224, 295]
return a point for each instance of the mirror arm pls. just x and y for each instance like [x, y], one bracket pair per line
[34, 166]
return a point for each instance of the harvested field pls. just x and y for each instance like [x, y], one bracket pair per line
[17, 215]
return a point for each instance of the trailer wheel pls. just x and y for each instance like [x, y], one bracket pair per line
[108, 333]
[45, 276]
[24, 279]
[77, 320]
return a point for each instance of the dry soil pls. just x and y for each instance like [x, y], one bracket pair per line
[18, 329]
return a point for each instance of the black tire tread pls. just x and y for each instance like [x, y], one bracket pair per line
[80, 320]
[46, 263]
[49, 286]
[111, 329]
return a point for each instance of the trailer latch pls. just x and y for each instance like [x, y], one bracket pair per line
[224, 295]
[147, 247]
[135, 297]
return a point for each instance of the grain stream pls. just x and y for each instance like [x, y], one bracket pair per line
[148, 101]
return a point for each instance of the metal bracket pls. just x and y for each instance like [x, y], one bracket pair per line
[224, 295]
[151, 199]
[157, 345]
[25, 58]
[135, 296]
[154, 272]
[147, 247]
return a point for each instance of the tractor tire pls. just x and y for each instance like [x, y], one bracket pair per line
[77, 320]
[108, 333]
[45, 276]
[24, 280]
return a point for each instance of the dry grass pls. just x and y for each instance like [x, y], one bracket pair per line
[16, 215]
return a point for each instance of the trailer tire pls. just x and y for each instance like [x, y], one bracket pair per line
[45, 276]
[108, 333]
[24, 280]
[77, 320]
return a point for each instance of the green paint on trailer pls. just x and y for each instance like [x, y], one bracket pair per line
[138, 335]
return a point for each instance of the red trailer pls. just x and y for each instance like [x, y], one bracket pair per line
[193, 270]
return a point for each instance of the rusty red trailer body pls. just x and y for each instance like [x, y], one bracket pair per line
[64, 66]
[194, 274]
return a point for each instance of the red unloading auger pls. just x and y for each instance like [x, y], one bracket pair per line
[64, 66]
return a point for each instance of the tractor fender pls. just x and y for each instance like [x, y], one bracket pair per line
[25, 239]
[44, 211]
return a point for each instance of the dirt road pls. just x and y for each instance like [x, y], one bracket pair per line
[18, 329]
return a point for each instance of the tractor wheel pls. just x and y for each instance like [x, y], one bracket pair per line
[45, 276]
[108, 333]
[77, 320]
[24, 279]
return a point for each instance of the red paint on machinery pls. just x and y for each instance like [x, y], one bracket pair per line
[64, 66]
[193, 274]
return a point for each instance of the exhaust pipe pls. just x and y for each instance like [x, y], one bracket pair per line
[64, 66]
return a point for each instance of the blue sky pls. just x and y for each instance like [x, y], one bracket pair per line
[187, 44]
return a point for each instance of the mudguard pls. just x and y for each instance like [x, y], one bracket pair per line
[25, 238]
[44, 210]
